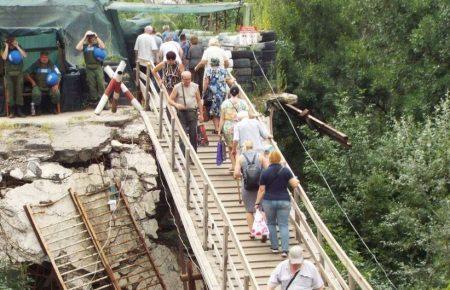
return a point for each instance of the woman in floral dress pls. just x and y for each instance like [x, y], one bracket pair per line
[228, 118]
[215, 86]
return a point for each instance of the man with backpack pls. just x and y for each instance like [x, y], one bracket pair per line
[249, 166]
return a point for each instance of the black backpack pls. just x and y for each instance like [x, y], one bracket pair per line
[251, 174]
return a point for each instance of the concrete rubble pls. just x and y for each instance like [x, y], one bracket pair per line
[41, 161]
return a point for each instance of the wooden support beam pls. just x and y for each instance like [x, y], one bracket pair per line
[190, 273]
[188, 177]
[321, 126]
[205, 216]
[161, 111]
[246, 282]
[186, 277]
[226, 230]
[147, 86]
[172, 143]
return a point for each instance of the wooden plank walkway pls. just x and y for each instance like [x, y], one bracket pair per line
[207, 200]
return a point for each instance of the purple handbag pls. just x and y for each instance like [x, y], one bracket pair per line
[221, 152]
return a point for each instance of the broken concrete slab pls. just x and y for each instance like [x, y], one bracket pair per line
[140, 161]
[25, 143]
[131, 132]
[118, 146]
[114, 120]
[81, 143]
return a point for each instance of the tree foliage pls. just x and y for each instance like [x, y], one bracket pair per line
[378, 71]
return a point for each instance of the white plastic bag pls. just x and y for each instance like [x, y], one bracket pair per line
[259, 227]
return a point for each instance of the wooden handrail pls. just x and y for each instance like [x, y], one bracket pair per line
[334, 245]
[194, 157]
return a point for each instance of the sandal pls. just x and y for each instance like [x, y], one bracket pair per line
[252, 237]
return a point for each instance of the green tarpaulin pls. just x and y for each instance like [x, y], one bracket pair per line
[69, 19]
[205, 8]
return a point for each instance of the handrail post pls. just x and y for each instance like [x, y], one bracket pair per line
[297, 215]
[351, 282]
[320, 240]
[226, 229]
[172, 142]
[137, 73]
[246, 282]
[161, 111]
[188, 177]
[205, 216]
[147, 86]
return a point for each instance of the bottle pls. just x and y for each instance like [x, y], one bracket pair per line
[33, 110]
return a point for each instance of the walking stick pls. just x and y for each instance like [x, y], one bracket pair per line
[239, 191]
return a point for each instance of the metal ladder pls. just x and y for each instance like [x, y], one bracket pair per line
[95, 243]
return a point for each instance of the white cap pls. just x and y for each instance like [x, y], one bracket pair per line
[89, 32]
[295, 255]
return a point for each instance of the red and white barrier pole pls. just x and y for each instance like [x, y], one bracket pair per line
[108, 70]
[116, 80]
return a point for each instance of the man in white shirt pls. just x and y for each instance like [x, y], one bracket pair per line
[295, 273]
[213, 51]
[170, 45]
[249, 129]
[145, 47]
[185, 97]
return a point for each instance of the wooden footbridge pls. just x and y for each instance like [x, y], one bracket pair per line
[207, 201]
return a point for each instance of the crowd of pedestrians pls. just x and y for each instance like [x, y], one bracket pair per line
[201, 89]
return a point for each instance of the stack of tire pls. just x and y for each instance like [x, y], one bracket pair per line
[246, 69]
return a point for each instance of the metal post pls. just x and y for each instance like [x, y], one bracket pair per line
[226, 229]
[246, 282]
[147, 87]
[188, 177]
[205, 216]
[161, 110]
[172, 142]
[351, 282]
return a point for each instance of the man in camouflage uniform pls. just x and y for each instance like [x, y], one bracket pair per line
[94, 70]
[14, 78]
[37, 76]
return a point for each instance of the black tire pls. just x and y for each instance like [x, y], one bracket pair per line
[268, 36]
[242, 71]
[270, 45]
[257, 71]
[241, 54]
[268, 55]
[241, 63]
[244, 79]
[248, 88]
